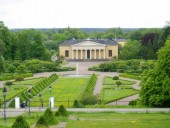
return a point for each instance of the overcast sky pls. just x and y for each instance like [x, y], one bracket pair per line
[84, 13]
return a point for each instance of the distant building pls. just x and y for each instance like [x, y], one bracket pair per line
[89, 49]
[122, 42]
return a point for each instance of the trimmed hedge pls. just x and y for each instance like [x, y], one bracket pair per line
[90, 87]
[13, 76]
[36, 89]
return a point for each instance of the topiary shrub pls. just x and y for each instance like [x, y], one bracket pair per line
[118, 83]
[42, 122]
[115, 78]
[50, 117]
[57, 113]
[20, 122]
[62, 110]
[77, 104]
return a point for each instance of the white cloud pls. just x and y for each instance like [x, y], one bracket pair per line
[84, 13]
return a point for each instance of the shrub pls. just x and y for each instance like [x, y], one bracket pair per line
[42, 122]
[20, 122]
[118, 83]
[77, 104]
[8, 83]
[19, 78]
[90, 100]
[57, 113]
[62, 110]
[115, 78]
[50, 117]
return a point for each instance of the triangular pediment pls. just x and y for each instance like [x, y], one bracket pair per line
[88, 43]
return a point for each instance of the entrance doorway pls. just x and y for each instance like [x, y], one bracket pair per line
[88, 54]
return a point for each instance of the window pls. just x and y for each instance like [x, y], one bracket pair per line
[66, 53]
[110, 53]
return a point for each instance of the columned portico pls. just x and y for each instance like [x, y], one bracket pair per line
[88, 54]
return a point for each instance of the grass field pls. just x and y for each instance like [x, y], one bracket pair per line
[13, 91]
[119, 120]
[115, 94]
[29, 81]
[110, 81]
[102, 120]
[63, 89]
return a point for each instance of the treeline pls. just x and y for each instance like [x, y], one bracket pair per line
[144, 43]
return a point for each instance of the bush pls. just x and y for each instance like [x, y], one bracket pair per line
[77, 104]
[115, 78]
[90, 100]
[42, 122]
[8, 83]
[57, 113]
[62, 110]
[20, 122]
[19, 78]
[118, 83]
[50, 117]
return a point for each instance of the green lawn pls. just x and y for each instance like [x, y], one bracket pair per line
[110, 81]
[114, 94]
[102, 120]
[119, 120]
[13, 91]
[29, 81]
[64, 91]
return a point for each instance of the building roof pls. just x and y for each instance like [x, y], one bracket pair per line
[101, 41]
[120, 40]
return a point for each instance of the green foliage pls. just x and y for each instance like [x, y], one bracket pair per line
[50, 117]
[19, 78]
[57, 113]
[9, 83]
[2, 68]
[115, 78]
[62, 110]
[118, 83]
[155, 83]
[90, 100]
[77, 104]
[20, 122]
[42, 122]
[128, 66]
[131, 50]
[90, 87]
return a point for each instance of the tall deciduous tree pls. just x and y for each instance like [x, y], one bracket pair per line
[130, 50]
[155, 89]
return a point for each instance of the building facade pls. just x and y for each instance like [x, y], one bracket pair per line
[90, 49]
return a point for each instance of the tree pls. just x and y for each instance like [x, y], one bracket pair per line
[155, 89]
[131, 50]
[118, 83]
[42, 122]
[2, 68]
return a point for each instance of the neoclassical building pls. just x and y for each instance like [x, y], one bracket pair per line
[89, 49]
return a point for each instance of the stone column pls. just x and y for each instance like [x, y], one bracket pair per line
[90, 53]
[99, 54]
[72, 54]
[104, 54]
[76, 53]
[81, 54]
[85, 53]
[94, 53]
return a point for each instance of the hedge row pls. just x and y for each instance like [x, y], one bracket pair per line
[90, 87]
[13, 76]
[36, 89]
